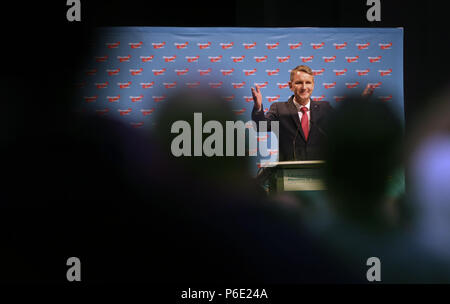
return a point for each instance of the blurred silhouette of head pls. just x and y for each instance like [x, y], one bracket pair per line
[363, 150]
[181, 107]
[429, 164]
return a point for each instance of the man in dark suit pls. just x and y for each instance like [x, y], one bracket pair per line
[302, 121]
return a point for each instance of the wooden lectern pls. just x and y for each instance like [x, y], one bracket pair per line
[292, 176]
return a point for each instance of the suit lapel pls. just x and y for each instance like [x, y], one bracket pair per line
[294, 114]
[315, 114]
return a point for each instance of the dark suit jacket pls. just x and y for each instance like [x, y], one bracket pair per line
[291, 135]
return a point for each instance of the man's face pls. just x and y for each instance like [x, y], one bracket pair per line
[302, 84]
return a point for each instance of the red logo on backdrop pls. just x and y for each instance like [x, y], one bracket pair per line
[329, 59]
[294, 46]
[248, 98]
[158, 72]
[170, 85]
[362, 72]
[135, 72]
[158, 98]
[283, 85]
[261, 85]
[227, 45]
[239, 112]
[146, 112]
[147, 85]
[340, 72]
[215, 85]
[318, 98]
[90, 98]
[385, 46]
[339, 98]
[374, 59]
[272, 72]
[363, 46]
[238, 59]
[262, 138]
[266, 109]
[238, 85]
[169, 58]
[385, 72]
[137, 124]
[124, 85]
[215, 58]
[317, 46]
[374, 85]
[135, 45]
[228, 98]
[102, 112]
[113, 45]
[113, 98]
[192, 59]
[307, 59]
[101, 58]
[249, 72]
[124, 58]
[318, 72]
[272, 152]
[147, 58]
[272, 98]
[351, 85]
[352, 59]
[227, 72]
[249, 46]
[113, 72]
[101, 85]
[328, 85]
[136, 98]
[283, 59]
[158, 45]
[193, 85]
[124, 112]
[260, 59]
[91, 72]
[182, 72]
[340, 46]
[204, 45]
[181, 45]
[204, 72]
[272, 46]
[385, 98]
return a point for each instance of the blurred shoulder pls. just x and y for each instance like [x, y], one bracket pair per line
[322, 104]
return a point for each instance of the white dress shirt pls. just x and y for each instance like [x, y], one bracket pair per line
[300, 114]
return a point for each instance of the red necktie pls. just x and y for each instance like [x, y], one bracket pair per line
[305, 122]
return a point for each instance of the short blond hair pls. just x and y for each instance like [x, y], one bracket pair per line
[301, 68]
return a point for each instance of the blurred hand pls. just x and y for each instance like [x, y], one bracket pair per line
[257, 97]
[368, 91]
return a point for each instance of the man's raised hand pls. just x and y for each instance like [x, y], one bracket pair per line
[368, 91]
[257, 97]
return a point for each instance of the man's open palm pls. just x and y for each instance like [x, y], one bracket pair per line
[257, 97]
